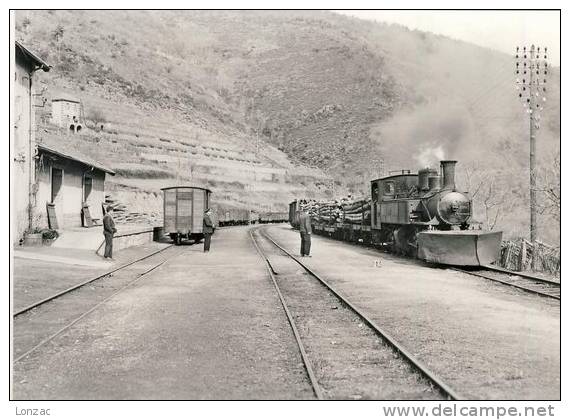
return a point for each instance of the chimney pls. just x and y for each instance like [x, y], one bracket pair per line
[434, 183]
[448, 172]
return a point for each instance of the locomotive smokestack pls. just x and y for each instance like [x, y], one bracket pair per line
[448, 171]
[434, 183]
[423, 178]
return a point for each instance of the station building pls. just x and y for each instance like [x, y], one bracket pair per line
[51, 181]
[67, 181]
[23, 130]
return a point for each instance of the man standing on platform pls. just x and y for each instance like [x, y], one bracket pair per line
[208, 229]
[109, 230]
[305, 229]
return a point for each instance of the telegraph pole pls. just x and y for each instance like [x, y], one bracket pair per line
[531, 74]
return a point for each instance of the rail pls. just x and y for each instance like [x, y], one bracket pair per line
[525, 282]
[96, 306]
[83, 283]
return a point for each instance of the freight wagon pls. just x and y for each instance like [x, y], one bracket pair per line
[184, 208]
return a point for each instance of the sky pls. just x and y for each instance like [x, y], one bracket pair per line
[499, 30]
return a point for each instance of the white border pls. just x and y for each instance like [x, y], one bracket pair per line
[249, 410]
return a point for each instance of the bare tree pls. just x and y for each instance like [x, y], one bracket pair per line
[493, 199]
[57, 33]
[548, 188]
[472, 178]
[486, 190]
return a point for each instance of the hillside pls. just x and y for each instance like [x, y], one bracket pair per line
[157, 131]
[294, 93]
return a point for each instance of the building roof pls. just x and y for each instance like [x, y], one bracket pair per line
[394, 176]
[65, 98]
[70, 153]
[187, 186]
[26, 54]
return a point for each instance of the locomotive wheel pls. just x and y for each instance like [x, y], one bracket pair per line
[405, 242]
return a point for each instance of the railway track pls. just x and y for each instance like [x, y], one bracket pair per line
[38, 324]
[528, 283]
[50, 298]
[436, 384]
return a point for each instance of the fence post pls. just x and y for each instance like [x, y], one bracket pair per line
[522, 257]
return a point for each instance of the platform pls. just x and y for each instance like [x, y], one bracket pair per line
[81, 246]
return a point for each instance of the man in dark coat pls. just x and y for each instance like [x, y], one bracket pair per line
[208, 229]
[305, 229]
[109, 230]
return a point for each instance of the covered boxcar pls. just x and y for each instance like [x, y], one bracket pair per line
[184, 208]
[234, 217]
[272, 217]
[294, 208]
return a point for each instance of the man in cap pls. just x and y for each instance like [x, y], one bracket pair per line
[208, 229]
[108, 231]
[305, 229]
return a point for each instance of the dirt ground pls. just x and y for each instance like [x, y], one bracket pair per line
[202, 326]
[487, 341]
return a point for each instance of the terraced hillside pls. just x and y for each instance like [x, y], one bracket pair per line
[149, 152]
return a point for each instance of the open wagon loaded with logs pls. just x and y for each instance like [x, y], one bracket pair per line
[357, 211]
[328, 216]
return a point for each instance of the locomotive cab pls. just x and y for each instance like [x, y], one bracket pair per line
[394, 199]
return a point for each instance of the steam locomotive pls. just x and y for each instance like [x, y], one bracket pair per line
[422, 215]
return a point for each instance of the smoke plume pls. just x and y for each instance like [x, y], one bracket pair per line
[425, 135]
[430, 156]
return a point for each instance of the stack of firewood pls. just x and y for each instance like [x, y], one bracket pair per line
[356, 211]
[328, 212]
[122, 215]
[346, 210]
